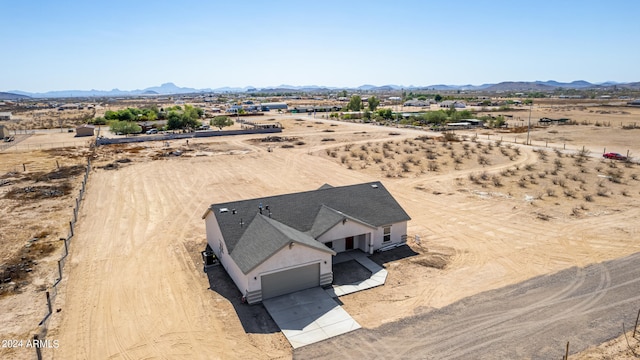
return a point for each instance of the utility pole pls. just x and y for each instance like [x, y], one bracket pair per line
[529, 126]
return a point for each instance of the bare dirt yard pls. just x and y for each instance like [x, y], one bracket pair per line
[488, 215]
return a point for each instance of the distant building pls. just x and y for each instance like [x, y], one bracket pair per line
[634, 102]
[454, 104]
[5, 116]
[4, 132]
[274, 106]
[419, 103]
[85, 130]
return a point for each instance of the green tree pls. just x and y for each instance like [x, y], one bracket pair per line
[126, 115]
[110, 115]
[342, 93]
[174, 121]
[367, 115]
[124, 127]
[355, 104]
[386, 114]
[374, 102]
[221, 121]
[438, 98]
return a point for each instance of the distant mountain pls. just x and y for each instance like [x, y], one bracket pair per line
[579, 84]
[12, 96]
[520, 86]
[172, 89]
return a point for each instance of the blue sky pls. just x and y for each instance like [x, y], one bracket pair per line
[82, 45]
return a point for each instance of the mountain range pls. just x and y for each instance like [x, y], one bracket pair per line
[171, 89]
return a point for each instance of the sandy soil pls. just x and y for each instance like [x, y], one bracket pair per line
[134, 286]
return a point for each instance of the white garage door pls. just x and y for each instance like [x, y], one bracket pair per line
[288, 281]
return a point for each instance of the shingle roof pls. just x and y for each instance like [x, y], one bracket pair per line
[251, 237]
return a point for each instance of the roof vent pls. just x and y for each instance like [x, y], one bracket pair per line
[224, 210]
[375, 186]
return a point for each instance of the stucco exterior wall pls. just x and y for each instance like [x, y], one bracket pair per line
[287, 258]
[397, 231]
[214, 239]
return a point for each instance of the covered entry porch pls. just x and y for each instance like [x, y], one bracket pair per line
[362, 242]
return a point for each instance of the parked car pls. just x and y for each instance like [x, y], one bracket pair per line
[203, 127]
[152, 131]
[614, 156]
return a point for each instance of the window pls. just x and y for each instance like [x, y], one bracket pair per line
[329, 244]
[386, 231]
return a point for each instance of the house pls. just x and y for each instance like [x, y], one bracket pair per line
[419, 103]
[85, 130]
[454, 104]
[5, 116]
[281, 244]
[4, 132]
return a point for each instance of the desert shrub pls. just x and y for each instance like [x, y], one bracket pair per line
[558, 163]
[588, 197]
[550, 192]
[483, 160]
[529, 167]
[497, 182]
[569, 193]
[602, 192]
[522, 182]
[542, 155]
[343, 159]
[433, 166]
[450, 136]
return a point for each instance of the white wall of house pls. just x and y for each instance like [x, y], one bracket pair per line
[287, 258]
[398, 230]
[214, 239]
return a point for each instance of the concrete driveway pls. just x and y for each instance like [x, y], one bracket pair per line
[308, 316]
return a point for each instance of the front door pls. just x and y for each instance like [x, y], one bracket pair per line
[348, 243]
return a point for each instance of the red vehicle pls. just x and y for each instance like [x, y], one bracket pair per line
[614, 156]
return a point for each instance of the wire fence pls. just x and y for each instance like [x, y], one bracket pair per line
[14, 147]
[41, 333]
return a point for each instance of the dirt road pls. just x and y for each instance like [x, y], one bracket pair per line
[531, 320]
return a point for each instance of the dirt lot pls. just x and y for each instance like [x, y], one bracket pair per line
[497, 216]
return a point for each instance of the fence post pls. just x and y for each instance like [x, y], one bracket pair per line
[71, 227]
[636, 327]
[37, 346]
[566, 356]
[60, 270]
[66, 246]
[49, 303]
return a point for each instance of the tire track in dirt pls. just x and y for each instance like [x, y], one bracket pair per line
[534, 311]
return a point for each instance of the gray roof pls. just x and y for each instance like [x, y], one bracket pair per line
[251, 237]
